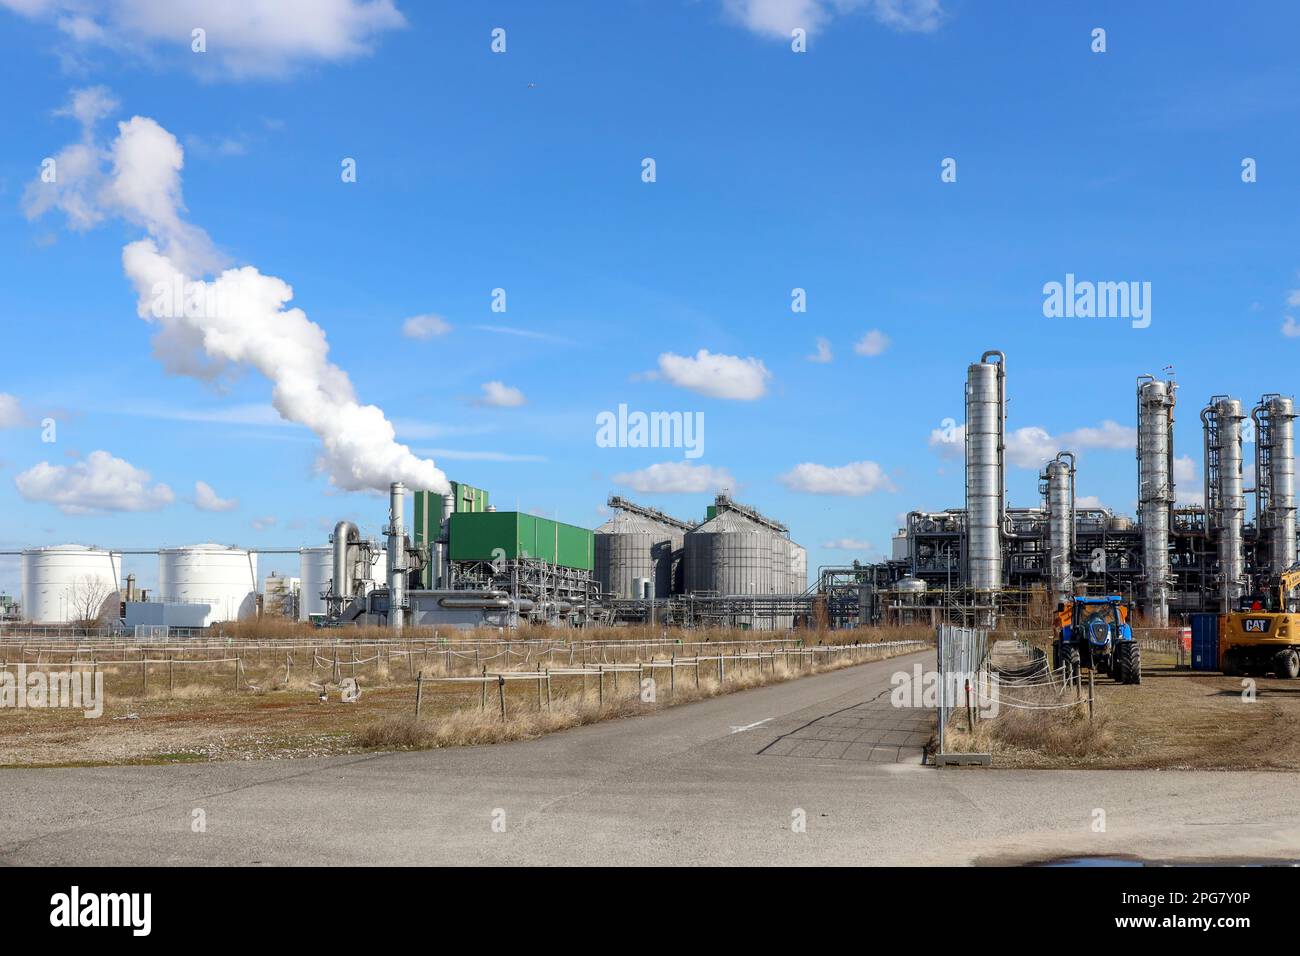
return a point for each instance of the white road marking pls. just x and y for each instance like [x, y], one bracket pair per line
[757, 723]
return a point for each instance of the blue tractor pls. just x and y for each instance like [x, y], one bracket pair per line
[1095, 632]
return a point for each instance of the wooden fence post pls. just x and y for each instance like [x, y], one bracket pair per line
[419, 694]
[501, 692]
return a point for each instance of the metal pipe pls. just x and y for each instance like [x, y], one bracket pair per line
[396, 555]
[346, 535]
[1225, 503]
[1274, 419]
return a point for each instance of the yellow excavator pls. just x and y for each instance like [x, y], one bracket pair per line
[1264, 636]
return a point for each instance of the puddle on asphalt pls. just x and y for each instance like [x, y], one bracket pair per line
[1077, 861]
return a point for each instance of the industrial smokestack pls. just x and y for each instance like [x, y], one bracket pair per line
[1059, 491]
[985, 444]
[396, 532]
[1274, 419]
[1225, 504]
[1155, 453]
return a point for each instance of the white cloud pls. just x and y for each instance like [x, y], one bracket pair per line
[261, 524]
[776, 18]
[855, 478]
[239, 320]
[205, 499]
[872, 344]
[425, 326]
[89, 105]
[1188, 487]
[718, 376]
[1108, 434]
[1032, 446]
[501, 395]
[1088, 501]
[847, 544]
[676, 477]
[246, 39]
[823, 353]
[97, 483]
[11, 411]
[1290, 328]
[949, 441]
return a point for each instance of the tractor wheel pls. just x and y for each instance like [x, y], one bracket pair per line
[1120, 671]
[1071, 662]
[1286, 664]
[1056, 655]
[1134, 664]
[1230, 668]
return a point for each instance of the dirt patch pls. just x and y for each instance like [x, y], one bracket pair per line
[1176, 719]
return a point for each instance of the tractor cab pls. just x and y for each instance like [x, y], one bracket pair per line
[1095, 632]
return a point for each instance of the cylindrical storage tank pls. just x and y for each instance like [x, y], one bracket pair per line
[1275, 477]
[1155, 492]
[630, 546]
[68, 583]
[1060, 525]
[985, 443]
[315, 567]
[781, 559]
[221, 577]
[1225, 504]
[731, 555]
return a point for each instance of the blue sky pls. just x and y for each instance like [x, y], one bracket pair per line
[774, 170]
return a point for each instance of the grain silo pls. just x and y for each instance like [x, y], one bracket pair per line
[729, 554]
[639, 542]
[224, 578]
[316, 565]
[68, 583]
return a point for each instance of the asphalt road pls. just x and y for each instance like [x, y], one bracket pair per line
[716, 782]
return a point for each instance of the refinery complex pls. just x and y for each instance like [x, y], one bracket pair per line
[461, 563]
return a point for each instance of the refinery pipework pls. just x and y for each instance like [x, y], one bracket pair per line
[1274, 418]
[1225, 504]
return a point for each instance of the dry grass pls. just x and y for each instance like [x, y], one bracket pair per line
[203, 717]
[1019, 736]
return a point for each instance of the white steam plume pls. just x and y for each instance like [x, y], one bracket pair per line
[240, 320]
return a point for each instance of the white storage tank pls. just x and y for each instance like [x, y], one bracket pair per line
[221, 577]
[315, 567]
[69, 582]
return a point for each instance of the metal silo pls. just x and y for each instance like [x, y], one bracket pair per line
[69, 582]
[625, 552]
[639, 542]
[1058, 488]
[1274, 418]
[1225, 504]
[221, 577]
[985, 476]
[315, 567]
[1155, 454]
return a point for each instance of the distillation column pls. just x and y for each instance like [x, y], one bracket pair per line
[1225, 504]
[985, 474]
[1155, 454]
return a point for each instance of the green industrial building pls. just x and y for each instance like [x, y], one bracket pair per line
[515, 536]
